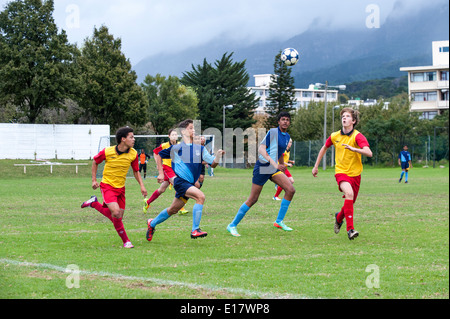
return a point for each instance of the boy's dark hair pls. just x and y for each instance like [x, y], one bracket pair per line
[284, 114]
[123, 133]
[185, 124]
[172, 130]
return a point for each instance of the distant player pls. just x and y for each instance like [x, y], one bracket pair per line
[404, 160]
[350, 145]
[270, 166]
[169, 174]
[143, 159]
[118, 160]
[187, 158]
[289, 163]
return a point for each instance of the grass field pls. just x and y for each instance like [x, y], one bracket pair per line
[404, 240]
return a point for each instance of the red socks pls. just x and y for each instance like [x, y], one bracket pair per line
[348, 212]
[154, 196]
[120, 229]
[103, 210]
[279, 190]
[118, 225]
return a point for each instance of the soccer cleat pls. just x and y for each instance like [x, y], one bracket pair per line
[282, 225]
[406, 182]
[198, 233]
[89, 202]
[183, 211]
[128, 244]
[400, 180]
[150, 230]
[352, 234]
[146, 206]
[233, 231]
[276, 198]
[337, 226]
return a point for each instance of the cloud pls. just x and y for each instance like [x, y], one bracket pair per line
[150, 27]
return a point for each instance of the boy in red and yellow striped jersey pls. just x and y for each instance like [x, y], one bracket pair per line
[350, 145]
[118, 160]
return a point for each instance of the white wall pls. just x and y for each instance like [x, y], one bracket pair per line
[39, 141]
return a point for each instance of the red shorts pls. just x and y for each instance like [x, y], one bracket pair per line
[168, 173]
[355, 182]
[113, 195]
[287, 173]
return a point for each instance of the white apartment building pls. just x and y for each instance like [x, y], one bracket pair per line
[303, 97]
[428, 85]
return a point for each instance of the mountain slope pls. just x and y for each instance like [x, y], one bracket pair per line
[339, 56]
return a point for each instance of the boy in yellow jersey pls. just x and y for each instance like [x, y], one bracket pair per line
[289, 163]
[169, 174]
[118, 160]
[350, 145]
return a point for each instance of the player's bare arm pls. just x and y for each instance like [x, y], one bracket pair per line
[215, 163]
[363, 151]
[138, 178]
[322, 152]
[263, 151]
[95, 184]
[159, 166]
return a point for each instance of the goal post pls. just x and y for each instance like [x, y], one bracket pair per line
[148, 143]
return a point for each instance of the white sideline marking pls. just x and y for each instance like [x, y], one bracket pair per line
[262, 295]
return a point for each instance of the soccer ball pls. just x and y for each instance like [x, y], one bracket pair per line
[290, 57]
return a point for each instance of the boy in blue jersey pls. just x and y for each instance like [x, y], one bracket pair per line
[270, 166]
[187, 158]
[404, 160]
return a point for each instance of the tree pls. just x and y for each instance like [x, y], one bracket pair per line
[231, 83]
[169, 102]
[281, 92]
[390, 128]
[36, 69]
[201, 80]
[110, 94]
[223, 84]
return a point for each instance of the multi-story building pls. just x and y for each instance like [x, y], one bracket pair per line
[303, 97]
[428, 85]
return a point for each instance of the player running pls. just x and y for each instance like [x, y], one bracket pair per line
[350, 145]
[169, 174]
[270, 166]
[187, 158]
[289, 163]
[117, 163]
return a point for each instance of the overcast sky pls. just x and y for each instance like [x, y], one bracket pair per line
[150, 26]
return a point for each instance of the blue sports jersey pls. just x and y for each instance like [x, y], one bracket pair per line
[276, 143]
[187, 160]
[404, 156]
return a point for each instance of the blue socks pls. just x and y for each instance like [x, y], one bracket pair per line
[240, 215]
[196, 216]
[162, 217]
[401, 176]
[283, 210]
[406, 177]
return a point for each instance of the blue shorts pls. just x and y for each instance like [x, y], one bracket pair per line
[405, 165]
[181, 186]
[263, 172]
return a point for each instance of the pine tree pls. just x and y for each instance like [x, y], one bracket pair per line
[281, 92]
[223, 84]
